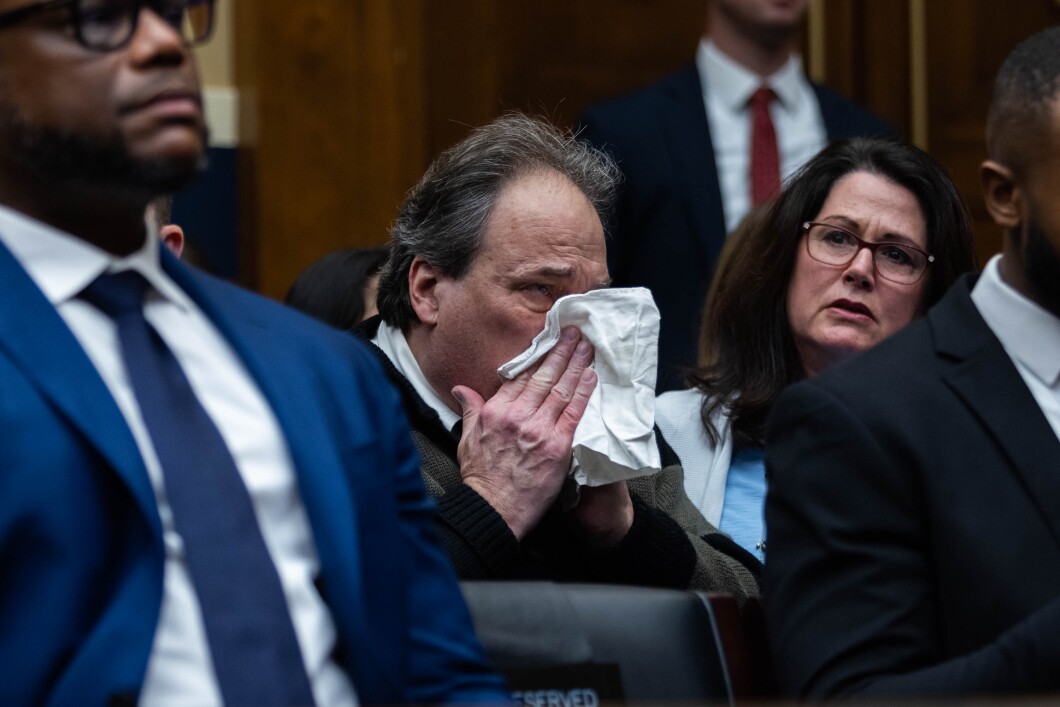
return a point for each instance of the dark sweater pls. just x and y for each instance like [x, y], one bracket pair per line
[669, 545]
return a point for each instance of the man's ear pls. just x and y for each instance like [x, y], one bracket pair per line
[173, 236]
[1002, 195]
[423, 290]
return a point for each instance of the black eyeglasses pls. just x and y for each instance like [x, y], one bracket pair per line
[106, 25]
[829, 244]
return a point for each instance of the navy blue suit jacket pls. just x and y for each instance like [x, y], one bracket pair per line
[668, 227]
[914, 520]
[81, 555]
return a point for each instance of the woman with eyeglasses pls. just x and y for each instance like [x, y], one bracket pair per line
[865, 238]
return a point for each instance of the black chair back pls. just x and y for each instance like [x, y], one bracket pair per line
[584, 641]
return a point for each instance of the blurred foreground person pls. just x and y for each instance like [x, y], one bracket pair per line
[206, 498]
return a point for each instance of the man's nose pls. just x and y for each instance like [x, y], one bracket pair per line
[156, 39]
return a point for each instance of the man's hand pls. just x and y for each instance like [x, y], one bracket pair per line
[605, 513]
[516, 447]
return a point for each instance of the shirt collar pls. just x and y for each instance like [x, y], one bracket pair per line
[393, 343]
[63, 265]
[1028, 332]
[732, 84]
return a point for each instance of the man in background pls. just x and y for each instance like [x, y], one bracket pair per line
[701, 147]
[914, 500]
[160, 216]
[205, 497]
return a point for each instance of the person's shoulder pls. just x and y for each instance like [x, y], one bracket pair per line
[280, 329]
[263, 309]
[679, 398]
[899, 372]
[642, 104]
[846, 118]
[676, 405]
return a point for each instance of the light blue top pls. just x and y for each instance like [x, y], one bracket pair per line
[742, 516]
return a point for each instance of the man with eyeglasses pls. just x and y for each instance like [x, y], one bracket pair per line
[914, 500]
[205, 497]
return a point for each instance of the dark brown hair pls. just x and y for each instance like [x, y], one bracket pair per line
[747, 353]
[332, 287]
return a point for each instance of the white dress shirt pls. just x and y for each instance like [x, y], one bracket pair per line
[1029, 334]
[393, 343]
[180, 671]
[797, 120]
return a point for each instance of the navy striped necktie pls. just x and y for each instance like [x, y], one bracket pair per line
[252, 642]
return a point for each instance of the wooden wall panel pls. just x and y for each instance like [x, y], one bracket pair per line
[967, 41]
[464, 55]
[866, 51]
[332, 122]
[549, 58]
[869, 45]
[345, 102]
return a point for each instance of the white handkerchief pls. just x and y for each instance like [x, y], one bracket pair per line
[615, 439]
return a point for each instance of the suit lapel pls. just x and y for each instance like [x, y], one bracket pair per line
[692, 152]
[834, 126]
[987, 381]
[44, 349]
[296, 407]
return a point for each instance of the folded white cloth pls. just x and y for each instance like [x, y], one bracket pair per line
[615, 439]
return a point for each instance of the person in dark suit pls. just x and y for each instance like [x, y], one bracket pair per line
[205, 497]
[685, 145]
[914, 503]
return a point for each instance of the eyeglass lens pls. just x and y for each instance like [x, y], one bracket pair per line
[893, 261]
[106, 24]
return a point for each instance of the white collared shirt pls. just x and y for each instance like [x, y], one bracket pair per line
[393, 343]
[1029, 334]
[797, 119]
[179, 671]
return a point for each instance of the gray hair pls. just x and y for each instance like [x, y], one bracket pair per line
[443, 217]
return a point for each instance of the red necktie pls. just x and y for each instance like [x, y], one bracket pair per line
[765, 161]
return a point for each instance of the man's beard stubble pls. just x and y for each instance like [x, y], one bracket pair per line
[1041, 266]
[92, 161]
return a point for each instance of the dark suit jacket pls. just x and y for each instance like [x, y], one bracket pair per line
[81, 554]
[914, 520]
[668, 228]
